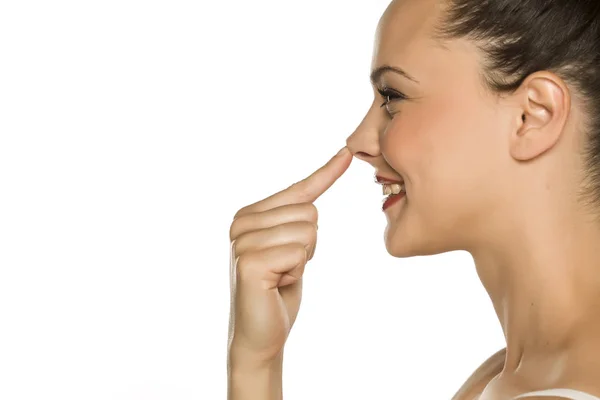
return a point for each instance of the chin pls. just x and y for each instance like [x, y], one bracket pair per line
[401, 245]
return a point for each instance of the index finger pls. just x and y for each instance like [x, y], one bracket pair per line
[306, 190]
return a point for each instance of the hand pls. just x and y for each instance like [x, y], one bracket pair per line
[271, 241]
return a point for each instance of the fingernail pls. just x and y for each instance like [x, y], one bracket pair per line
[342, 151]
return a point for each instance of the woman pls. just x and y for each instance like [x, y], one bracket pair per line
[485, 130]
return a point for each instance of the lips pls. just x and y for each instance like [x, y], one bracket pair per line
[387, 181]
[389, 190]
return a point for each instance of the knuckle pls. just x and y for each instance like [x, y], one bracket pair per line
[234, 228]
[301, 191]
[241, 212]
[304, 232]
[309, 230]
[299, 252]
[241, 243]
[311, 252]
[294, 186]
[311, 212]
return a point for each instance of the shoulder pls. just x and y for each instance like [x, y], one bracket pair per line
[479, 379]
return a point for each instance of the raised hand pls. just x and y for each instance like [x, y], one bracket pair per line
[271, 242]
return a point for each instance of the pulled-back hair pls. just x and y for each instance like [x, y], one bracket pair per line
[520, 37]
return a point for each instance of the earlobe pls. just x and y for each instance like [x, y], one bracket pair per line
[545, 105]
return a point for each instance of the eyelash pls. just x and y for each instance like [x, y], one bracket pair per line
[392, 94]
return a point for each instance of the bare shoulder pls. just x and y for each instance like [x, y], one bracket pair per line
[479, 379]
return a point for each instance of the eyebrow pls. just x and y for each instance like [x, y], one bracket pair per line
[378, 72]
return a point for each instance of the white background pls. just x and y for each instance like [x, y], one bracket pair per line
[130, 133]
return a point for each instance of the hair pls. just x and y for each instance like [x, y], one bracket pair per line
[520, 37]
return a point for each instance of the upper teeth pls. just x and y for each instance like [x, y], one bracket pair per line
[394, 188]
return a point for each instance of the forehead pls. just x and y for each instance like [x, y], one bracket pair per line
[404, 32]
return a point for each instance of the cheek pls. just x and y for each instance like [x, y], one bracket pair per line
[427, 141]
[442, 147]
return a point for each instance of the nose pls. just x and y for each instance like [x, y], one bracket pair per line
[364, 141]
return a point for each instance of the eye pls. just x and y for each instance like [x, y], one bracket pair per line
[390, 95]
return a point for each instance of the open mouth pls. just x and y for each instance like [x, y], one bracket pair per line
[392, 198]
[394, 188]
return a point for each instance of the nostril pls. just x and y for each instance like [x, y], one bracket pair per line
[361, 155]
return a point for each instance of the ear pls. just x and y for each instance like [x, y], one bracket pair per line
[545, 104]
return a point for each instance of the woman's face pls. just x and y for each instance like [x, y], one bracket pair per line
[447, 140]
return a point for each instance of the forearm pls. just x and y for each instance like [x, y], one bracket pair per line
[254, 382]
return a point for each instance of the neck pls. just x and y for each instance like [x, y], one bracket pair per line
[544, 282]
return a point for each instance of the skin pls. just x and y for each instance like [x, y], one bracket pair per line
[498, 177]
[271, 242]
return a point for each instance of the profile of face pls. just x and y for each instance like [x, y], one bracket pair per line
[433, 126]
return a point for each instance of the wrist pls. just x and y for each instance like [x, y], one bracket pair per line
[248, 380]
[241, 359]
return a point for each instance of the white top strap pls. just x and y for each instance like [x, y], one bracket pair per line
[567, 393]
